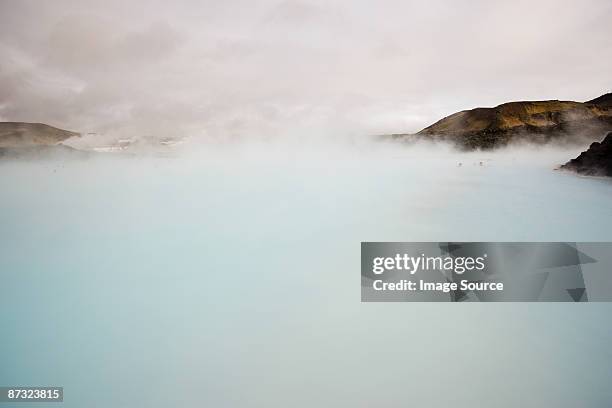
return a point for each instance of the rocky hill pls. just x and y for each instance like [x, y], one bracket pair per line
[21, 134]
[596, 161]
[603, 100]
[532, 121]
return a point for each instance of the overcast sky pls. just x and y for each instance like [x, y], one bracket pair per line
[243, 67]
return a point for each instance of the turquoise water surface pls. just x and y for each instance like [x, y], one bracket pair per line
[230, 277]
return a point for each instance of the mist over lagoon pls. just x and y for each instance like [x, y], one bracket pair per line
[185, 185]
[226, 275]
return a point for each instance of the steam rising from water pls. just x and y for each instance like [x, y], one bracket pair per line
[229, 277]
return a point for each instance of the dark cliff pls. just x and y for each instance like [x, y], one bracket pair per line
[596, 161]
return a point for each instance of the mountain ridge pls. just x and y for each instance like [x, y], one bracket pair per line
[26, 134]
[531, 121]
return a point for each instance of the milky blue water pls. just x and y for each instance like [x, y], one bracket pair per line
[230, 277]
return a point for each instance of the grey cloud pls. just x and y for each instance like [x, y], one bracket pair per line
[293, 12]
[291, 67]
[85, 44]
